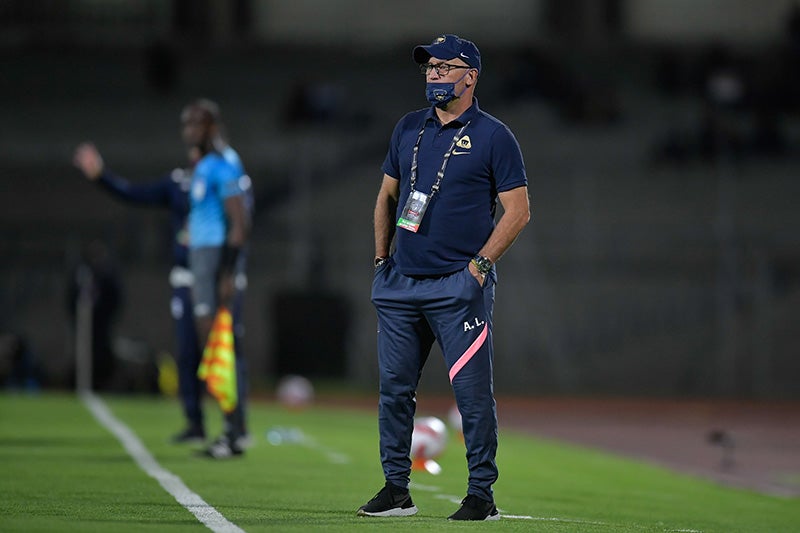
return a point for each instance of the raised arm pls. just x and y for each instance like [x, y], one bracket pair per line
[89, 161]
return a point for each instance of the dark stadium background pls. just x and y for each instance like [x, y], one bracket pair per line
[661, 143]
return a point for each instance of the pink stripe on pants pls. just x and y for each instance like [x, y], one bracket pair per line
[464, 359]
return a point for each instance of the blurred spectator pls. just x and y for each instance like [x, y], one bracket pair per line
[313, 102]
[17, 364]
[722, 79]
[530, 74]
[97, 275]
[785, 74]
[767, 137]
[161, 67]
[170, 192]
[578, 98]
[321, 102]
[670, 71]
[740, 113]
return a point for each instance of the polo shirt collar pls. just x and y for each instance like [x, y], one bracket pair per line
[465, 117]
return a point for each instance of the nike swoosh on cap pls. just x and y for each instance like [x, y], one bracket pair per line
[456, 152]
[464, 55]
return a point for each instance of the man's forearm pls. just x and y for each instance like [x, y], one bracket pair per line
[236, 213]
[384, 226]
[505, 233]
[515, 217]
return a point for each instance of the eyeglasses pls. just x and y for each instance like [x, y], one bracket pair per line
[442, 69]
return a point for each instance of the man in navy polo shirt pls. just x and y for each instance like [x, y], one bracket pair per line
[171, 192]
[446, 168]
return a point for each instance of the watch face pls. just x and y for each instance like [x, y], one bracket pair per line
[483, 264]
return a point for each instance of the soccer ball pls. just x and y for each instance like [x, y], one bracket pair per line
[295, 392]
[429, 438]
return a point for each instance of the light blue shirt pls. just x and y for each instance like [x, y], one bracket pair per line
[217, 176]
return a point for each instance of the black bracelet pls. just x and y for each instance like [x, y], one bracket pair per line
[227, 261]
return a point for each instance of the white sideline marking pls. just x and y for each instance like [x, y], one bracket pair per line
[206, 514]
[563, 520]
[429, 488]
[278, 436]
[449, 497]
[576, 521]
[455, 499]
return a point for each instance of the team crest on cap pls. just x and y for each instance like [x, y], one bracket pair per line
[439, 40]
[464, 142]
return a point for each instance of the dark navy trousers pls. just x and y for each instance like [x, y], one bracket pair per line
[191, 388]
[455, 311]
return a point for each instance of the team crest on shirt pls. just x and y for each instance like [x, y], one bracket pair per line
[464, 143]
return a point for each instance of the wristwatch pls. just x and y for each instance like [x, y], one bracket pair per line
[483, 264]
[380, 260]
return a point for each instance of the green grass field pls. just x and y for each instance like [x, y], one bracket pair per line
[63, 471]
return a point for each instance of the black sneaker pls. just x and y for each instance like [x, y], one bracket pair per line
[244, 441]
[190, 435]
[223, 448]
[390, 501]
[474, 508]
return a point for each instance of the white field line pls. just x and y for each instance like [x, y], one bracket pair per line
[332, 455]
[206, 514]
[278, 436]
[427, 488]
[455, 499]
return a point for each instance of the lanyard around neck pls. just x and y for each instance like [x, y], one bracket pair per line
[440, 174]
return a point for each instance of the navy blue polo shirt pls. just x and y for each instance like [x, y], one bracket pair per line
[171, 191]
[460, 217]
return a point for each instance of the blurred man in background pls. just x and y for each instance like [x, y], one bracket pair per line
[446, 167]
[221, 204]
[196, 295]
[170, 192]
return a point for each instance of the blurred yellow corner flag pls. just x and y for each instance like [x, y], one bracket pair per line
[218, 366]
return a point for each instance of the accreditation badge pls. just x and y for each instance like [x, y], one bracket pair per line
[415, 207]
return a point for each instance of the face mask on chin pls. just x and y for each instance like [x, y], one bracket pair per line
[441, 94]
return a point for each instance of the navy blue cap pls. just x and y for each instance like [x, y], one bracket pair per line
[449, 46]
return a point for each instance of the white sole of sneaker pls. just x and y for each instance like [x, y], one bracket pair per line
[391, 512]
[491, 517]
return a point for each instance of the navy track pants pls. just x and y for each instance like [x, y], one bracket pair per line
[455, 311]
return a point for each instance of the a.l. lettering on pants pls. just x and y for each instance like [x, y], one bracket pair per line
[470, 325]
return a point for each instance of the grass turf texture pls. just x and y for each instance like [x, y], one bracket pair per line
[62, 471]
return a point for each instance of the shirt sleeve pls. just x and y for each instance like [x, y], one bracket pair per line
[152, 193]
[228, 179]
[391, 164]
[507, 162]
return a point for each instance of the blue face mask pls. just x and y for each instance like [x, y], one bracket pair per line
[441, 94]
